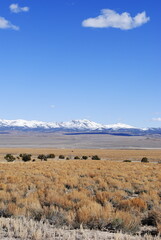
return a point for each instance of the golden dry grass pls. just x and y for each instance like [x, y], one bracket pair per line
[95, 194]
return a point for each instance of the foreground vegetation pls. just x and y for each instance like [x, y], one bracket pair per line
[94, 194]
[25, 229]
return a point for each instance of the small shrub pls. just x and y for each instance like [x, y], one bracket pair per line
[126, 222]
[42, 157]
[127, 161]
[26, 157]
[58, 219]
[61, 157]
[95, 157]
[35, 214]
[135, 203]
[51, 155]
[76, 157]
[145, 160]
[84, 157]
[9, 157]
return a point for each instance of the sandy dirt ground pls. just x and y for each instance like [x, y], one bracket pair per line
[89, 141]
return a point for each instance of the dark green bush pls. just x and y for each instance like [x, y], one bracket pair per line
[9, 157]
[84, 157]
[145, 159]
[76, 157]
[51, 155]
[127, 161]
[26, 157]
[42, 157]
[95, 157]
[61, 157]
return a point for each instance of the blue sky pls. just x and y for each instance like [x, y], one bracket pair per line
[67, 59]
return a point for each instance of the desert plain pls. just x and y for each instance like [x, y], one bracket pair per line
[52, 199]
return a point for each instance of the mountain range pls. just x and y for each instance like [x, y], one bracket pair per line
[76, 127]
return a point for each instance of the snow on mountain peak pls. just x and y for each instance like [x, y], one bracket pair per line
[119, 126]
[83, 124]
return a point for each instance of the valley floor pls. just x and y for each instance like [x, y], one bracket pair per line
[87, 141]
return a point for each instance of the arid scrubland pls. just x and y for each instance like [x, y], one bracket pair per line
[100, 195]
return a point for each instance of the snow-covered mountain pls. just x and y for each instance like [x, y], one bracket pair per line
[24, 124]
[74, 125]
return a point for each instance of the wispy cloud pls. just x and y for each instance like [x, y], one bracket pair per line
[15, 8]
[157, 119]
[110, 18]
[5, 24]
[52, 106]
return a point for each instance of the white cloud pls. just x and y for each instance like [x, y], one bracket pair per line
[110, 18]
[15, 8]
[157, 119]
[4, 24]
